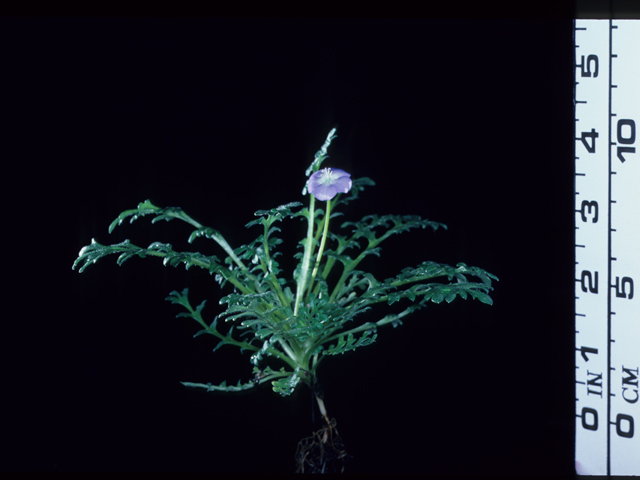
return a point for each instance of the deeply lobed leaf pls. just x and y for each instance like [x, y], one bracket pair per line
[90, 254]
[148, 208]
[350, 343]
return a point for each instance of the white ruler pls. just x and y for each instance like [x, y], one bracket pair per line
[607, 246]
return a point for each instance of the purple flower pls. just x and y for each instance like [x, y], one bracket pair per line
[328, 182]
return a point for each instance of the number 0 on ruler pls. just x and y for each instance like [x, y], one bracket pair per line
[607, 250]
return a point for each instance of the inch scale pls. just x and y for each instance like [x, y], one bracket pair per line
[607, 246]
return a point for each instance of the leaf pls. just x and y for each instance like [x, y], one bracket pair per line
[350, 343]
[392, 223]
[223, 387]
[437, 292]
[179, 298]
[275, 214]
[206, 232]
[320, 156]
[144, 208]
[428, 270]
[148, 208]
[437, 296]
[286, 385]
[483, 297]
[262, 313]
[362, 281]
[450, 297]
[90, 254]
[357, 186]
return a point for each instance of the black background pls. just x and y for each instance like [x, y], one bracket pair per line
[465, 122]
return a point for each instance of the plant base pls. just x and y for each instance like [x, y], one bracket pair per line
[323, 452]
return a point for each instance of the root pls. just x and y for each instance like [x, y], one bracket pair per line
[323, 452]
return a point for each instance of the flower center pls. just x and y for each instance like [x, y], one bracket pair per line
[326, 175]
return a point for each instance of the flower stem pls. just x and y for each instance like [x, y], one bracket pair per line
[324, 241]
[302, 283]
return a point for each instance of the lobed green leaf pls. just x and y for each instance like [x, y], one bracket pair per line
[286, 385]
[223, 387]
[350, 343]
[275, 214]
[148, 208]
[392, 223]
[90, 254]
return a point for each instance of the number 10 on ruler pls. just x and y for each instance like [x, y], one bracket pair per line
[607, 246]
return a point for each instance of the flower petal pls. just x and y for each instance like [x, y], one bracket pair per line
[328, 182]
[343, 184]
[325, 192]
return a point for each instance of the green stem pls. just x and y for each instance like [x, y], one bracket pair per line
[287, 350]
[227, 248]
[223, 271]
[213, 331]
[369, 325]
[322, 244]
[215, 236]
[273, 279]
[272, 376]
[345, 273]
[306, 258]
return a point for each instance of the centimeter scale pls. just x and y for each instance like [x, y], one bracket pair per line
[607, 246]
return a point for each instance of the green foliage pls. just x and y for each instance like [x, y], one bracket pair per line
[223, 387]
[265, 317]
[350, 343]
[92, 253]
[275, 214]
[285, 385]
